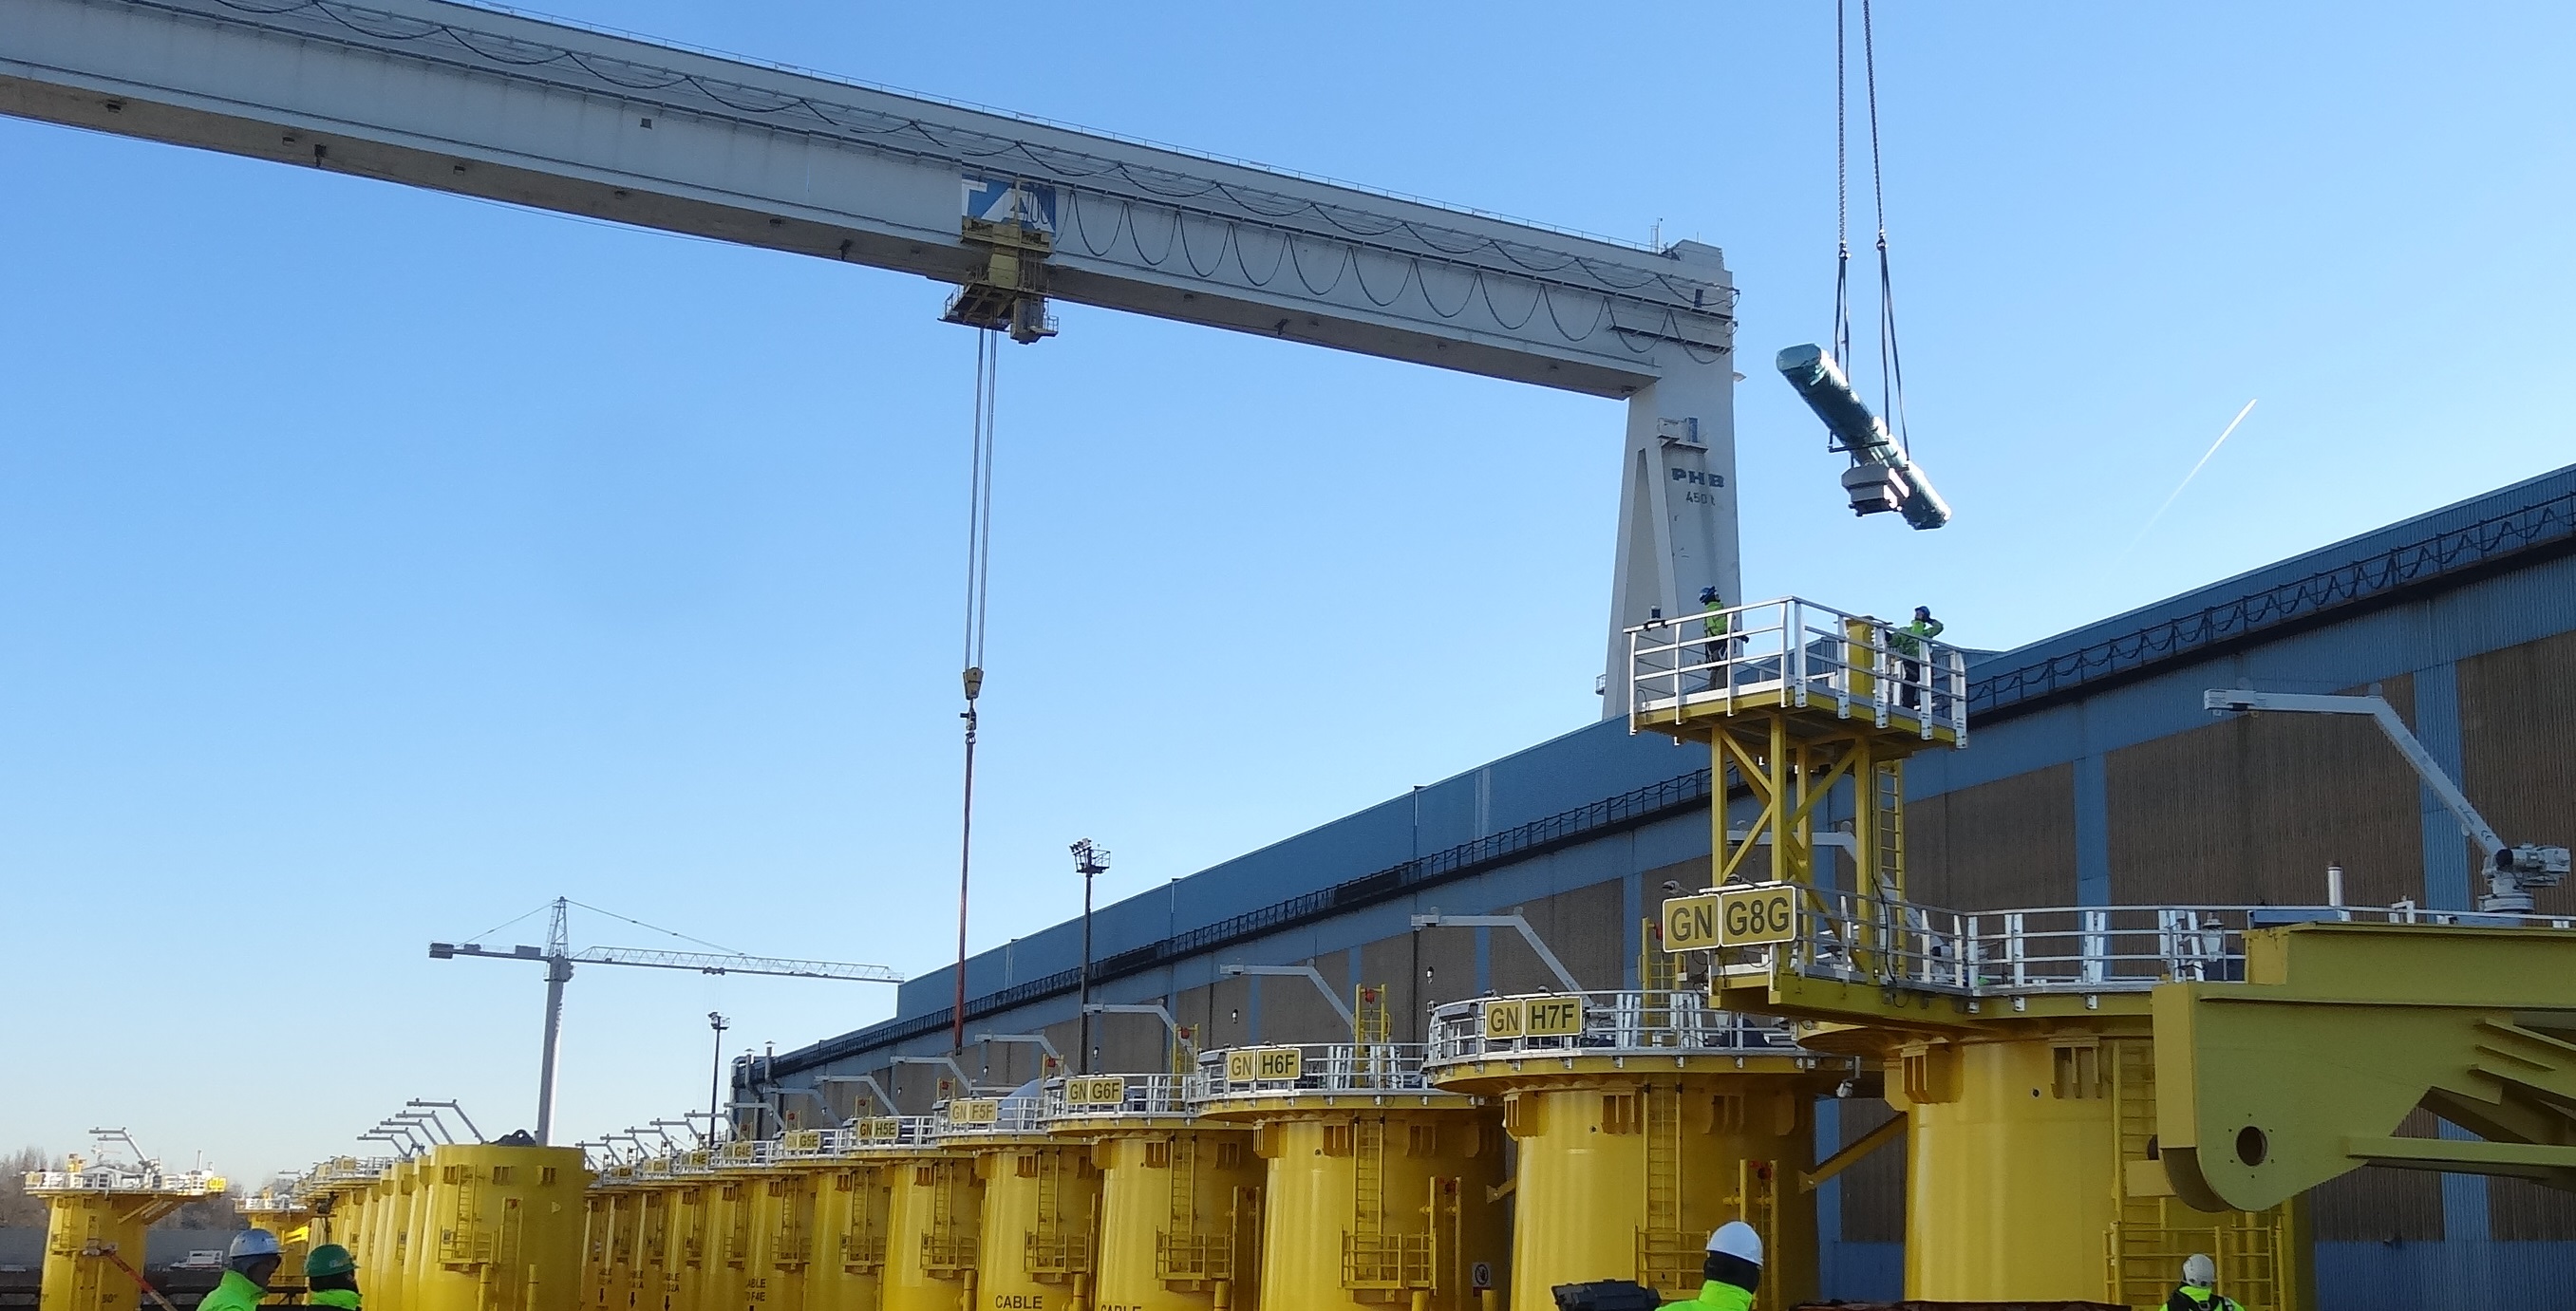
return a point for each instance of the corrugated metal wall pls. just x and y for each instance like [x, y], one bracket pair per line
[2374, 1205]
[2251, 810]
[1874, 1187]
[2518, 745]
[2006, 843]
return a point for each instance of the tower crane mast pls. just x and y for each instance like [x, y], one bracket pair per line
[559, 957]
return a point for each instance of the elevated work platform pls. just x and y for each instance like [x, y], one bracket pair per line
[1797, 700]
[95, 1216]
[1644, 1120]
[1180, 1215]
[1381, 1188]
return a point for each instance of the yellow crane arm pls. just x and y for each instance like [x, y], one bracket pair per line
[2303, 1071]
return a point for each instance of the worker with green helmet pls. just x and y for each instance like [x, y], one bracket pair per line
[1908, 643]
[331, 1276]
[2199, 1290]
[250, 1261]
[1731, 1272]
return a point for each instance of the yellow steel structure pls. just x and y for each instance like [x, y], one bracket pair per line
[724, 1248]
[2304, 1069]
[845, 1241]
[1041, 1203]
[500, 1229]
[610, 1275]
[934, 1213]
[1798, 702]
[2017, 1044]
[1643, 1121]
[1180, 1195]
[95, 1216]
[1381, 1190]
[670, 1228]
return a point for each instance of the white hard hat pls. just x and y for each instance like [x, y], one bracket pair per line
[252, 1243]
[1737, 1239]
[2199, 1271]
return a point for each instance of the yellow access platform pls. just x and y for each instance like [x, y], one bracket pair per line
[1179, 1224]
[2017, 1043]
[1382, 1190]
[95, 1217]
[1041, 1201]
[934, 1212]
[1644, 1120]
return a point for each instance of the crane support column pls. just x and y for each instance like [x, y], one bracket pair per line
[1677, 505]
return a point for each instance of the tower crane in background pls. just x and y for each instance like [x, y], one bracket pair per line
[558, 957]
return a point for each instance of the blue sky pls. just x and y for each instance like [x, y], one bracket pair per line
[376, 564]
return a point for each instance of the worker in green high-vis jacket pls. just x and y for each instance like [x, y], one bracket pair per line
[1732, 1271]
[331, 1276]
[250, 1263]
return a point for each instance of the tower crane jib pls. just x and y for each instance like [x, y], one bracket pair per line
[559, 957]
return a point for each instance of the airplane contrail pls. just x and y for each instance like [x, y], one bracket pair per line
[2186, 482]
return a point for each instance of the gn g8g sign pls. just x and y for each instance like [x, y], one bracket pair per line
[1732, 917]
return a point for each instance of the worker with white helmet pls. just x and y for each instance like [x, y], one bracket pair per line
[2199, 1291]
[253, 1260]
[1732, 1271]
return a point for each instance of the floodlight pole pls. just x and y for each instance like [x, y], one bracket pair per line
[1090, 862]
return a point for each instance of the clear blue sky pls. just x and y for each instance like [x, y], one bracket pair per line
[375, 564]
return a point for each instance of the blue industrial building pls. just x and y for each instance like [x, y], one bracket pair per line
[2094, 776]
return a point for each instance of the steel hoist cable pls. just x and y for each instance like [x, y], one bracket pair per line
[1891, 362]
[979, 554]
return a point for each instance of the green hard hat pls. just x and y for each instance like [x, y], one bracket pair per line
[329, 1259]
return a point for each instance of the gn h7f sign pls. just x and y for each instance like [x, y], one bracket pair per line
[1733, 917]
[1535, 1017]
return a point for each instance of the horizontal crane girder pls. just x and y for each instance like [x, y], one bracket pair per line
[500, 106]
[461, 99]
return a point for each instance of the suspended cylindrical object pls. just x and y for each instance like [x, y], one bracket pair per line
[1903, 486]
[1378, 1187]
[1041, 1201]
[1180, 1196]
[2030, 1155]
[1644, 1120]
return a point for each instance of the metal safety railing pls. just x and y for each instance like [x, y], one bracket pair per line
[1135, 1095]
[1798, 653]
[1312, 1067]
[1598, 1023]
[884, 1131]
[967, 1117]
[115, 1179]
[2042, 950]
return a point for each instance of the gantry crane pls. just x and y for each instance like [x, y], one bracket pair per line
[559, 958]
